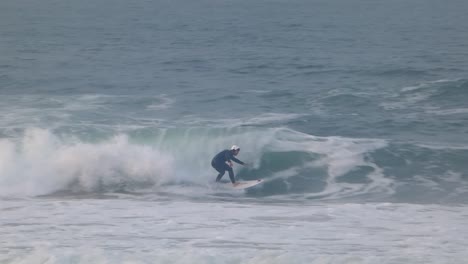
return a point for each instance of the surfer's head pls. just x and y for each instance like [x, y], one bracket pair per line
[235, 149]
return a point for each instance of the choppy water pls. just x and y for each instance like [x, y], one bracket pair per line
[354, 113]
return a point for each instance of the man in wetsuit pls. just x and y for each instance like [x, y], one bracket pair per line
[222, 163]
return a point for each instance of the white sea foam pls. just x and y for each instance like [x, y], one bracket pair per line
[269, 118]
[42, 163]
[413, 96]
[161, 102]
[426, 84]
[52, 111]
[231, 232]
[444, 112]
[83, 255]
[339, 156]
[258, 120]
[442, 146]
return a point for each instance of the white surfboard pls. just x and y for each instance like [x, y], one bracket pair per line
[246, 184]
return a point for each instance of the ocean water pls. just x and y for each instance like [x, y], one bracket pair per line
[355, 113]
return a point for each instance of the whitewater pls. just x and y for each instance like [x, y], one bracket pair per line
[353, 113]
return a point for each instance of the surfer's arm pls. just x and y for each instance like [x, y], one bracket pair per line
[238, 161]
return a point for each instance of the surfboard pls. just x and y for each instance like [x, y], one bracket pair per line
[246, 184]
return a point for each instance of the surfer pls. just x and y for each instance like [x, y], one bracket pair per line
[222, 163]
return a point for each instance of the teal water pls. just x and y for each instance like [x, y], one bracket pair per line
[333, 102]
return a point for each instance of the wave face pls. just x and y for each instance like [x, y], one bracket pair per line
[294, 165]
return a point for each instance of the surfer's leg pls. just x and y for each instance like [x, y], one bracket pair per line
[220, 175]
[219, 168]
[231, 175]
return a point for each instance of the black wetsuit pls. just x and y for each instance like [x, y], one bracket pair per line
[219, 163]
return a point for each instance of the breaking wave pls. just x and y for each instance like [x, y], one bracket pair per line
[293, 164]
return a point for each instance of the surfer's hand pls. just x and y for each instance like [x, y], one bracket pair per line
[248, 165]
[230, 163]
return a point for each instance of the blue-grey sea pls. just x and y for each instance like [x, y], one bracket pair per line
[354, 112]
